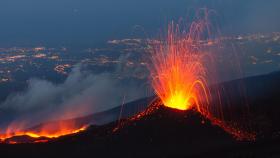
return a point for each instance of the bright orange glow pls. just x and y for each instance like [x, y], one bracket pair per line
[178, 101]
[64, 125]
[177, 71]
[181, 70]
[49, 130]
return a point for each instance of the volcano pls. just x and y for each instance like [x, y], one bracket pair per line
[166, 132]
[163, 132]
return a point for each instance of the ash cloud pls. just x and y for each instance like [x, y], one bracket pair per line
[82, 93]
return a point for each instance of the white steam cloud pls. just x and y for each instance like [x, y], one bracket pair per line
[82, 93]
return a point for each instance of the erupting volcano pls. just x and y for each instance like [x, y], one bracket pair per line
[181, 72]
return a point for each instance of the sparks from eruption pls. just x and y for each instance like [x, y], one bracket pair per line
[178, 73]
[179, 78]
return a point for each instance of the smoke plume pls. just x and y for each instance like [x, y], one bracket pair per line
[81, 93]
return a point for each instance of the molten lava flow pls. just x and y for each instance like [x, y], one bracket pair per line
[49, 130]
[178, 72]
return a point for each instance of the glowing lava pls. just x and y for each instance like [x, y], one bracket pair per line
[177, 71]
[49, 130]
[180, 73]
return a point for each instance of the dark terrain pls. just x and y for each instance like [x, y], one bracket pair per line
[171, 133]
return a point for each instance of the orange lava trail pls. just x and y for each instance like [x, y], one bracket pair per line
[47, 131]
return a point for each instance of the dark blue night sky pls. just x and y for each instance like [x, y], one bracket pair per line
[93, 21]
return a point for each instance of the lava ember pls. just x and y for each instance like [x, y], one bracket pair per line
[177, 70]
[181, 69]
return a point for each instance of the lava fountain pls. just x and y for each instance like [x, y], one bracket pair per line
[177, 70]
[181, 71]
